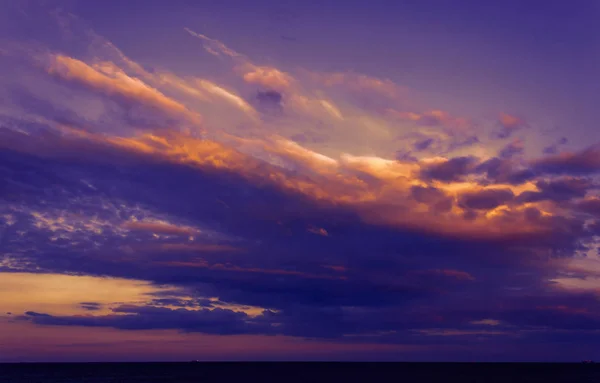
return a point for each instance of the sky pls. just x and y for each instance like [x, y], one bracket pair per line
[316, 180]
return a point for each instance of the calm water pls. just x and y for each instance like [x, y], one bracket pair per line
[297, 372]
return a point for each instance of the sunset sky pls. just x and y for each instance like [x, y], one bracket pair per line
[299, 180]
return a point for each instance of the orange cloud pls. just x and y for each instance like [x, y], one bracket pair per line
[160, 227]
[180, 84]
[226, 95]
[509, 121]
[268, 77]
[108, 79]
[319, 231]
[314, 107]
[434, 118]
[379, 190]
[359, 82]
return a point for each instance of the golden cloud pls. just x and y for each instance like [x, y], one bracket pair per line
[108, 79]
[268, 77]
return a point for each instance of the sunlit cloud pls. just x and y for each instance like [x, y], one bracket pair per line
[214, 47]
[226, 95]
[269, 78]
[111, 81]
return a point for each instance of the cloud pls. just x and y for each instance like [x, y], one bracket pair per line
[214, 47]
[583, 162]
[514, 148]
[464, 143]
[226, 95]
[423, 145]
[160, 227]
[448, 170]
[558, 190]
[331, 109]
[90, 306]
[208, 321]
[270, 78]
[270, 100]
[487, 322]
[319, 231]
[486, 199]
[236, 269]
[435, 118]
[456, 274]
[108, 79]
[553, 149]
[435, 198]
[427, 194]
[509, 125]
[359, 82]
[505, 170]
[375, 264]
[186, 303]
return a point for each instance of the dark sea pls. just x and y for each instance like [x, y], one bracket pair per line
[298, 372]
